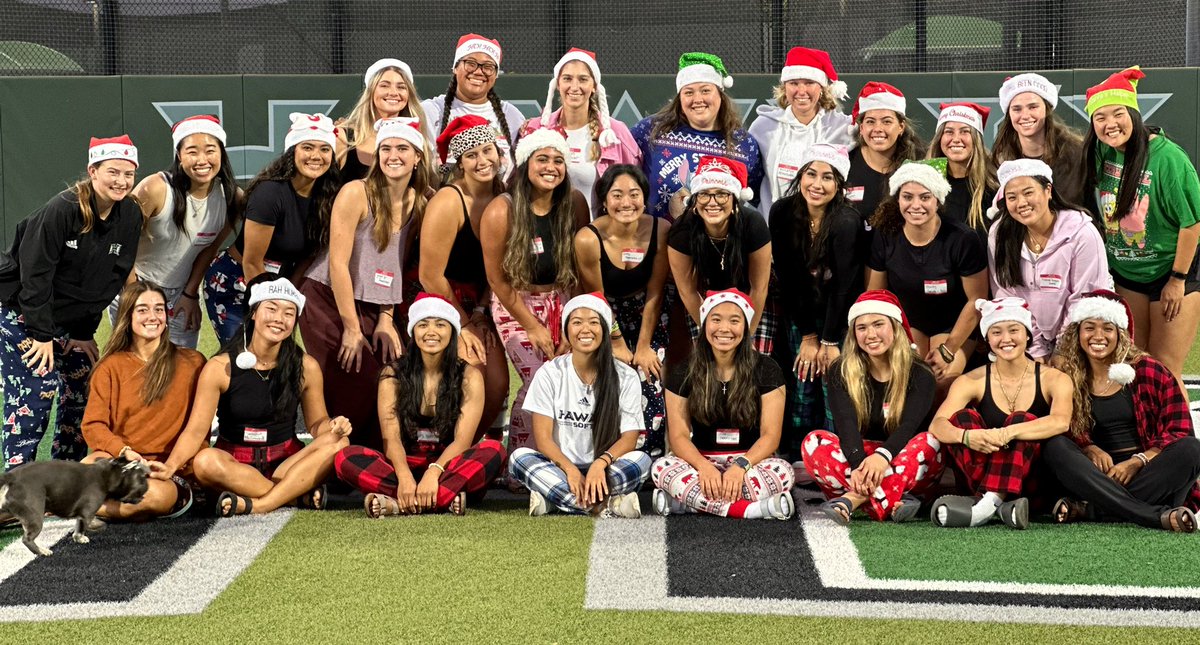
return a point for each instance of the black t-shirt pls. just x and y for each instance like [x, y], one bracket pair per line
[275, 203]
[928, 279]
[918, 412]
[865, 188]
[958, 206]
[755, 235]
[722, 436]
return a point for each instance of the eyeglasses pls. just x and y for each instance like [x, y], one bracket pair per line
[470, 66]
[721, 198]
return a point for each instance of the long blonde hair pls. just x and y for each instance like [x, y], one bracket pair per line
[361, 120]
[83, 192]
[981, 173]
[856, 371]
[160, 369]
[1077, 366]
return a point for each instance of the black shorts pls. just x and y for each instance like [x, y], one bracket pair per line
[1153, 290]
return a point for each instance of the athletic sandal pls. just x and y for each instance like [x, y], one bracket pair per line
[958, 511]
[183, 498]
[458, 505]
[314, 499]
[386, 506]
[838, 509]
[1068, 511]
[1015, 514]
[232, 508]
[1180, 519]
[907, 508]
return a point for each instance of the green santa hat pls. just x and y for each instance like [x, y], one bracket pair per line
[698, 67]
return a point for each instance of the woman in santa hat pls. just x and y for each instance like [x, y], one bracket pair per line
[388, 93]
[1131, 454]
[67, 262]
[969, 169]
[883, 139]
[1030, 129]
[881, 395]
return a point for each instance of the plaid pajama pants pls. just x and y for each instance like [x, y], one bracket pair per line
[526, 359]
[768, 477]
[1005, 471]
[264, 459]
[370, 472]
[916, 467]
[538, 473]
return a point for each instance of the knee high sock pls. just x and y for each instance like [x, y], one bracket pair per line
[981, 512]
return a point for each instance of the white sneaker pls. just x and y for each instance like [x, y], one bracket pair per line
[627, 505]
[781, 506]
[537, 504]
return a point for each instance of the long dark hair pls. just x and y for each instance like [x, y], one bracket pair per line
[610, 176]
[519, 259]
[409, 372]
[160, 369]
[289, 367]
[1137, 151]
[888, 220]
[1059, 138]
[908, 146]
[742, 403]
[283, 168]
[690, 227]
[606, 420]
[180, 183]
[493, 98]
[1010, 236]
[802, 236]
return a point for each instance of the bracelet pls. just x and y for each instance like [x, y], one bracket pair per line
[123, 451]
[189, 296]
[945, 353]
[1179, 275]
[387, 312]
[610, 456]
[829, 343]
[438, 466]
[1141, 456]
[966, 439]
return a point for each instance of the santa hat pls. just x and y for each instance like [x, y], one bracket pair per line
[813, 65]
[431, 305]
[884, 303]
[930, 173]
[972, 114]
[387, 63]
[277, 289]
[474, 43]
[199, 124]
[836, 156]
[310, 127]
[1022, 83]
[1118, 89]
[112, 148]
[539, 139]
[463, 134]
[878, 96]
[714, 298]
[406, 128]
[725, 174]
[1108, 306]
[1011, 309]
[1013, 168]
[698, 67]
[607, 136]
[594, 301]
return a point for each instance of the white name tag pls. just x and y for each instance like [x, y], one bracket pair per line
[633, 256]
[886, 407]
[537, 246]
[935, 287]
[854, 193]
[1050, 282]
[576, 155]
[427, 436]
[204, 238]
[254, 435]
[786, 173]
[729, 437]
[384, 278]
[272, 267]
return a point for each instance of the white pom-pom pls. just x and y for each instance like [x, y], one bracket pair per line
[839, 90]
[246, 360]
[992, 212]
[727, 82]
[1122, 373]
[608, 138]
[746, 194]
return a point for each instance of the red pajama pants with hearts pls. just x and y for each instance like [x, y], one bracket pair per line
[1005, 471]
[916, 467]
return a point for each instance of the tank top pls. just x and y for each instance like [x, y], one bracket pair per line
[994, 417]
[545, 269]
[354, 168]
[246, 410]
[1116, 423]
[620, 282]
[427, 443]
[374, 274]
[465, 263]
[166, 253]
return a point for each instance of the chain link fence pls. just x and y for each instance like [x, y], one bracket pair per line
[160, 37]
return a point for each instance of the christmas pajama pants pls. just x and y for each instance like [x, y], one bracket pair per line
[680, 480]
[546, 307]
[917, 466]
[1006, 471]
[370, 472]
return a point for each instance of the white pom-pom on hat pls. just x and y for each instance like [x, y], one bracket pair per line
[1122, 373]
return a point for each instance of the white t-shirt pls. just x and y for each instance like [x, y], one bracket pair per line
[433, 113]
[557, 392]
[580, 166]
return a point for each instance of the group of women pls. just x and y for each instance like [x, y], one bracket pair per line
[422, 247]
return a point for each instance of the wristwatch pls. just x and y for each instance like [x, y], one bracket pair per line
[741, 461]
[1179, 275]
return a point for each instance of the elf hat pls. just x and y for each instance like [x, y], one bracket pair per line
[387, 63]
[310, 127]
[836, 156]
[406, 128]
[698, 67]
[812, 65]
[1118, 89]
[541, 138]
[930, 173]
[112, 148]
[972, 114]
[729, 175]
[462, 134]
[714, 298]
[1022, 83]
[878, 96]
[594, 301]
[199, 124]
[1011, 309]
[607, 136]
[1010, 170]
[1108, 306]
[474, 43]
[884, 303]
[431, 305]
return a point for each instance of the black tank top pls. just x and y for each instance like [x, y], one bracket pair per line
[1115, 429]
[994, 417]
[246, 410]
[619, 282]
[545, 269]
[465, 263]
[354, 168]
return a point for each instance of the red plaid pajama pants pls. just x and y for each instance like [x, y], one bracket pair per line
[1005, 471]
[370, 472]
[916, 467]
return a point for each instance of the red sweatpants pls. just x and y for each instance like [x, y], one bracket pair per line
[914, 469]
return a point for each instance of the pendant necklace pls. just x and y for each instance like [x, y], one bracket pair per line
[721, 250]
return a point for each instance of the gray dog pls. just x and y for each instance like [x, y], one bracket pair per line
[68, 489]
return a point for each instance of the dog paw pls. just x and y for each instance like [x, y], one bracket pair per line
[80, 538]
[43, 551]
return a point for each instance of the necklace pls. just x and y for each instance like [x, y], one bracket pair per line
[724, 386]
[1012, 400]
[1035, 245]
[267, 377]
[721, 250]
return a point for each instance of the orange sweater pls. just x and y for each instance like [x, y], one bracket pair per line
[117, 417]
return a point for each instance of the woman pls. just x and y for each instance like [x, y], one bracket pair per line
[288, 208]
[1131, 454]
[881, 396]
[884, 139]
[388, 93]
[724, 441]
[190, 209]
[994, 441]
[587, 415]
[805, 113]
[632, 284]
[969, 167]
[936, 266]
[430, 401]
[721, 244]
[68, 260]
[815, 283]
[354, 286]
[471, 92]
[257, 461]
[596, 140]
[529, 255]
[451, 256]
[140, 397]
[700, 122]
[1031, 130]
[1043, 251]
[1149, 202]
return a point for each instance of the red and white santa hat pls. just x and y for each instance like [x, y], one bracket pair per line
[837, 156]
[310, 127]
[922, 173]
[112, 148]
[387, 63]
[1011, 309]
[401, 127]
[812, 65]
[431, 305]
[729, 175]
[474, 43]
[462, 134]
[607, 136]
[878, 96]
[1028, 82]
[1107, 306]
[972, 114]
[714, 298]
[199, 124]
[540, 138]
[594, 301]
[884, 303]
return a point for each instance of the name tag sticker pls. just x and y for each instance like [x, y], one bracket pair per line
[204, 238]
[935, 287]
[633, 256]
[272, 267]
[537, 246]
[1050, 282]
[854, 193]
[786, 173]
[729, 437]
[427, 436]
[384, 278]
[886, 407]
[254, 435]
[576, 155]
